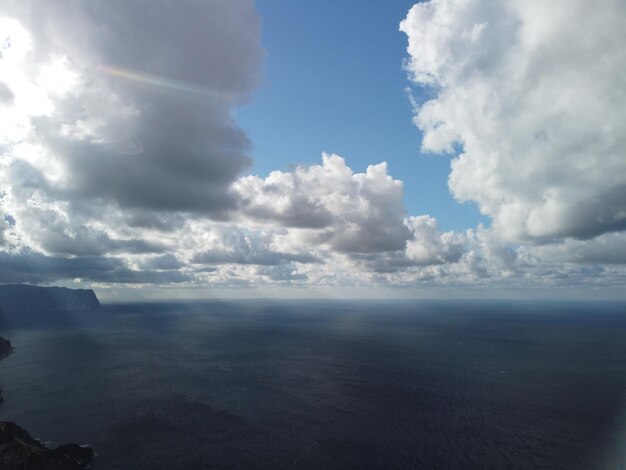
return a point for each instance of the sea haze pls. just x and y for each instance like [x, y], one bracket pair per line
[328, 385]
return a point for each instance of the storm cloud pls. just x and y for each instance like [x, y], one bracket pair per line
[110, 125]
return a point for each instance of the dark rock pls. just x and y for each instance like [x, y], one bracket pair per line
[75, 453]
[18, 450]
[5, 347]
[10, 431]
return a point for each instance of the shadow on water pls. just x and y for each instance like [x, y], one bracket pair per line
[329, 384]
[41, 379]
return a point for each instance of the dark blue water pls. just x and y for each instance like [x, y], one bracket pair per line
[329, 385]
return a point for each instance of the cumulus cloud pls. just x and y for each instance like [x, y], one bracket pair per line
[322, 223]
[353, 213]
[425, 246]
[428, 245]
[532, 96]
[237, 245]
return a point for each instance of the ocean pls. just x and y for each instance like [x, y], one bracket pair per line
[328, 385]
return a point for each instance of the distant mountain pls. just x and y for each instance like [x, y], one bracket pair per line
[23, 304]
[24, 298]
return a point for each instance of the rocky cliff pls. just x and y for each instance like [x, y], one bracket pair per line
[27, 298]
[23, 305]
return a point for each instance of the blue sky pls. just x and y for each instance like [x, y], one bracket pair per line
[333, 81]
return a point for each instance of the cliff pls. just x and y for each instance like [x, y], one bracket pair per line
[23, 305]
[27, 298]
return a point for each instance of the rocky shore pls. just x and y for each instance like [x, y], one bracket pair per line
[18, 451]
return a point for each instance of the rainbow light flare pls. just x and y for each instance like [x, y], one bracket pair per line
[159, 81]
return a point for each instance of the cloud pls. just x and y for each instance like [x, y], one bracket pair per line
[33, 267]
[531, 95]
[344, 211]
[241, 246]
[429, 246]
[6, 95]
[121, 162]
[161, 262]
[426, 246]
[608, 249]
[108, 137]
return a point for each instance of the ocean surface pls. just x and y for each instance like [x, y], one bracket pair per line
[259, 384]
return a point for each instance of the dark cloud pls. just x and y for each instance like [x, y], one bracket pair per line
[165, 222]
[608, 249]
[90, 243]
[301, 213]
[395, 261]
[37, 268]
[143, 143]
[604, 212]
[162, 262]
[370, 236]
[261, 257]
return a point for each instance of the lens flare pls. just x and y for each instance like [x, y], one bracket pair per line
[159, 81]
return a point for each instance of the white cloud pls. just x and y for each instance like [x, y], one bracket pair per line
[533, 93]
[428, 245]
[343, 211]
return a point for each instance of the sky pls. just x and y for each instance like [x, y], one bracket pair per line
[451, 148]
[345, 70]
